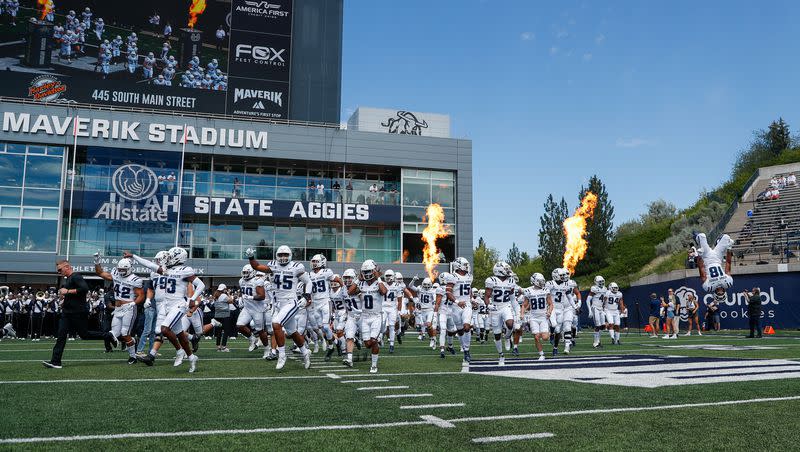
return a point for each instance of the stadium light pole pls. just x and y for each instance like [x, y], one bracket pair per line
[180, 186]
[72, 183]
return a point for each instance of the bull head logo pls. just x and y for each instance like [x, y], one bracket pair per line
[405, 123]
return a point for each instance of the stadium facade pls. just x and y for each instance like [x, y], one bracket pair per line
[80, 176]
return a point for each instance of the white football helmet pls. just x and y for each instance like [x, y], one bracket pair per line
[443, 279]
[161, 258]
[474, 292]
[124, 267]
[599, 281]
[248, 272]
[398, 277]
[537, 280]
[460, 264]
[613, 287]
[436, 286]
[348, 276]
[318, 261]
[389, 276]
[368, 270]
[427, 284]
[177, 256]
[482, 293]
[501, 270]
[283, 255]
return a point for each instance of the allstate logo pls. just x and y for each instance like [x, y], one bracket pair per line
[134, 182]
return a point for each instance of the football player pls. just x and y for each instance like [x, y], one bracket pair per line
[288, 277]
[254, 296]
[500, 289]
[154, 295]
[177, 302]
[339, 304]
[709, 264]
[561, 320]
[595, 304]
[443, 312]
[128, 293]
[353, 322]
[458, 291]
[613, 305]
[320, 313]
[538, 307]
[427, 300]
[392, 304]
[371, 291]
[574, 311]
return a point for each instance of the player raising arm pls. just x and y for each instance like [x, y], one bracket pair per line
[128, 293]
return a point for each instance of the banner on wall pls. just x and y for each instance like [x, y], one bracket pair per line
[780, 304]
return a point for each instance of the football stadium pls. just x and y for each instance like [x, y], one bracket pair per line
[207, 241]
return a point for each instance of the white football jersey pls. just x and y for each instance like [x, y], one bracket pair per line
[124, 286]
[612, 301]
[501, 291]
[537, 301]
[158, 283]
[393, 293]
[321, 285]
[248, 288]
[339, 300]
[370, 295]
[561, 293]
[176, 284]
[462, 286]
[286, 279]
[597, 298]
[427, 299]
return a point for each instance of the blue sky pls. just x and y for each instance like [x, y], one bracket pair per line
[656, 98]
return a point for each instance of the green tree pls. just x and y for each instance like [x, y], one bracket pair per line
[483, 260]
[778, 137]
[514, 256]
[599, 228]
[551, 233]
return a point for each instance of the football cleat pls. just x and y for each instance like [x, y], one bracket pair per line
[149, 360]
[515, 351]
[179, 358]
[541, 357]
[451, 350]
[555, 352]
[467, 357]
[193, 363]
[347, 362]
[328, 354]
[51, 365]
[281, 362]
[501, 361]
[441, 354]
[195, 343]
[266, 354]
[373, 369]
[253, 343]
[107, 343]
[391, 349]
[433, 344]
[132, 360]
[307, 360]
[316, 347]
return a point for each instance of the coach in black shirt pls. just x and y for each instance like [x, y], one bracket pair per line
[74, 312]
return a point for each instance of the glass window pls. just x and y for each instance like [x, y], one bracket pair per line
[9, 231]
[413, 214]
[36, 149]
[9, 212]
[261, 238]
[43, 171]
[10, 196]
[46, 198]
[15, 148]
[416, 194]
[31, 212]
[11, 170]
[38, 235]
[55, 150]
[293, 236]
[443, 193]
[443, 175]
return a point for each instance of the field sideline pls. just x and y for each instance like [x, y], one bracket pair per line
[417, 400]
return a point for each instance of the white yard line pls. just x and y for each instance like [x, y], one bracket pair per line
[147, 380]
[427, 420]
[401, 396]
[333, 376]
[378, 388]
[498, 439]
[376, 380]
[435, 405]
[437, 421]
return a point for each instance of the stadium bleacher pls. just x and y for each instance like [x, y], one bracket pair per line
[771, 234]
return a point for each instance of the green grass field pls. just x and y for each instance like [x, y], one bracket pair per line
[236, 400]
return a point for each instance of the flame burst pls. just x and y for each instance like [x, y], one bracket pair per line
[197, 8]
[46, 7]
[436, 229]
[575, 230]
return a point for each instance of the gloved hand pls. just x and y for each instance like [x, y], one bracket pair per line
[97, 257]
[147, 303]
[250, 253]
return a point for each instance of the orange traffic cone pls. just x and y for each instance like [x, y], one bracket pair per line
[769, 330]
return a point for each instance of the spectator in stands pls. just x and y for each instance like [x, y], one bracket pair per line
[754, 311]
[773, 183]
[337, 191]
[655, 310]
[349, 189]
[373, 194]
[321, 192]
[691, 259]
[774, 194]
[791, 180]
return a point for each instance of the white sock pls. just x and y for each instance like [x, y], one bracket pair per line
[442, 338]
[611, 333]
[350, 356]
[304, 349]
[596, 337]
[375, 360]
[466, 338]
[498, 344]
[132, 349]
[392, 335]
[282, 351]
